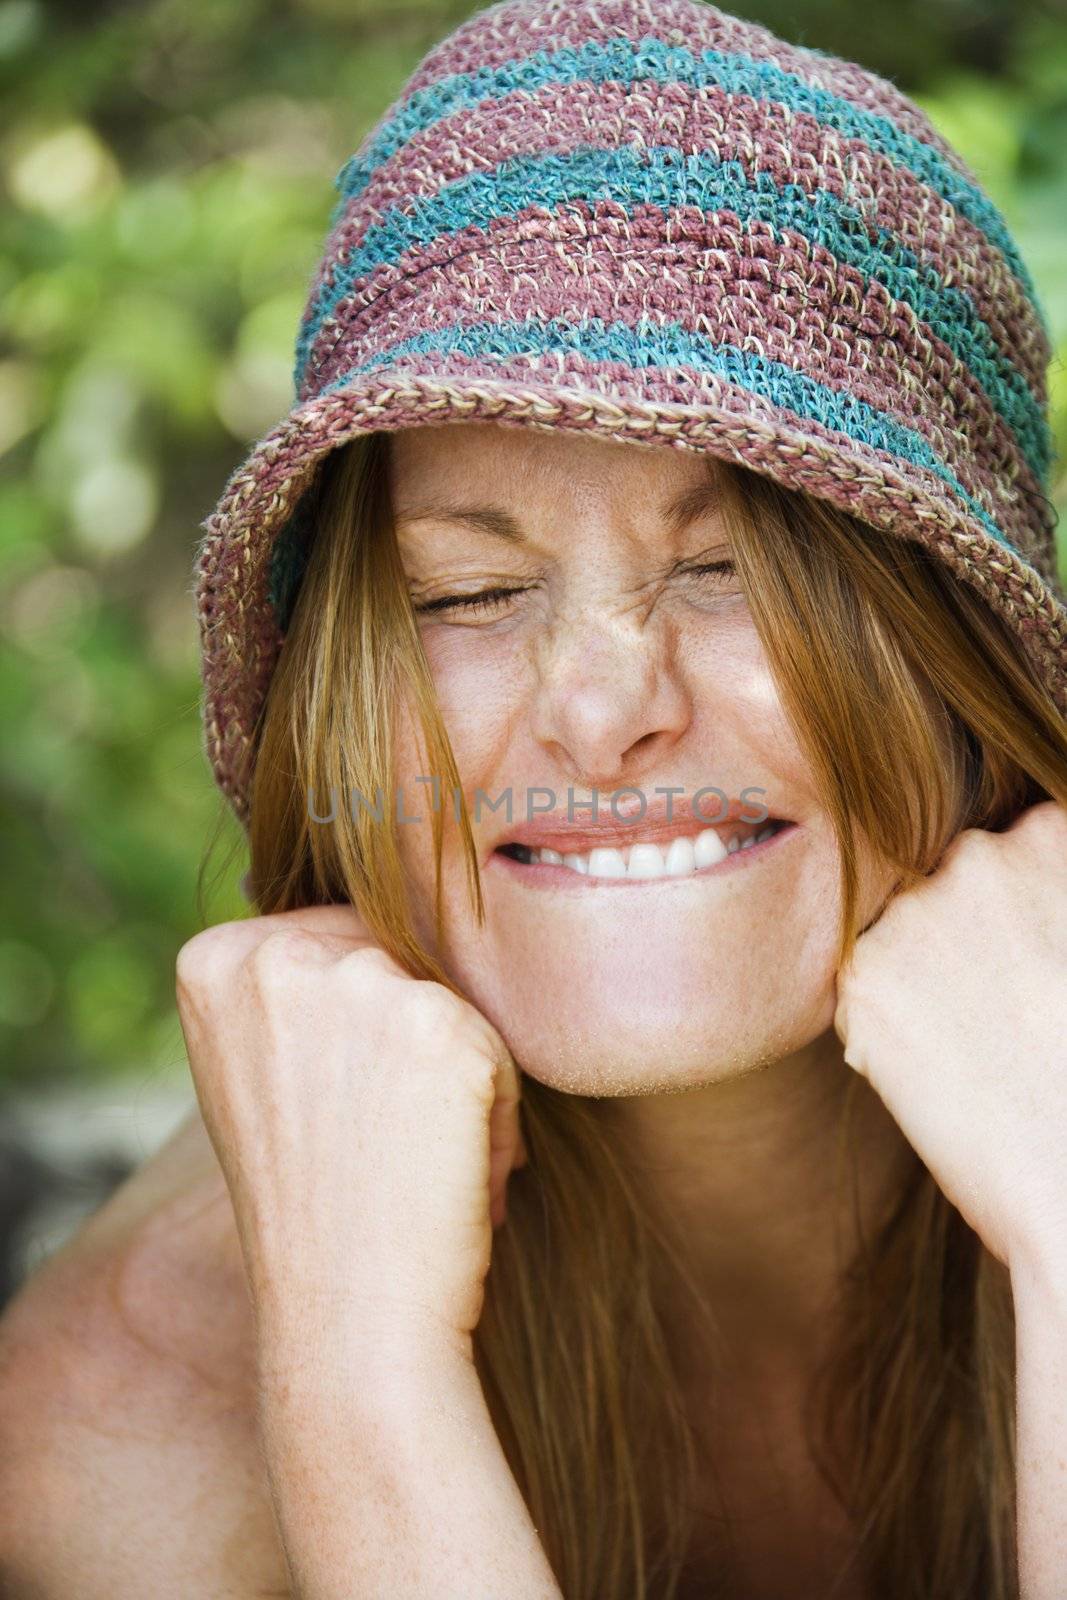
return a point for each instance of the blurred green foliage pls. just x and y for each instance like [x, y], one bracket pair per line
[167, 170]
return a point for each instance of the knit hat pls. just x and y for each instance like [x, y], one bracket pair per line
[650, 220]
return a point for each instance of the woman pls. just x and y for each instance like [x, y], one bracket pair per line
[666, 1198]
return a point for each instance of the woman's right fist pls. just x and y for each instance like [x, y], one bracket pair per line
[365, 1121]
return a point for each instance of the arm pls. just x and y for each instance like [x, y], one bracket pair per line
[130, 1464]
[1039, 1285]
[365, 1122]
[390, 1482]
[965, 1047]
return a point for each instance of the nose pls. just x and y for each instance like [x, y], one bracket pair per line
[610, 702]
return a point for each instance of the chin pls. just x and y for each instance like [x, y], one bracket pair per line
[624, 1047]
[639, 990]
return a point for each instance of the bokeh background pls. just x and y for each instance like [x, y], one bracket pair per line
[167, 171]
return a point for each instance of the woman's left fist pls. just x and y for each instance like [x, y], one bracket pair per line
[954, 1008]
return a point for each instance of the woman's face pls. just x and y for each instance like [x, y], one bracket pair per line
[614, 664]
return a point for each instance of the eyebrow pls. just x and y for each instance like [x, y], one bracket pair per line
[677, 513]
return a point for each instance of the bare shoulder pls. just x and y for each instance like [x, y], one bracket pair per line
[159, 1257]
[129, 1457]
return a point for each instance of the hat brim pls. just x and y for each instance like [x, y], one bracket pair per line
[240, 632]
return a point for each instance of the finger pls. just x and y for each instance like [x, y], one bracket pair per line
[506, 1148]
[841, 1022]
[504, 1140]
[340, 919]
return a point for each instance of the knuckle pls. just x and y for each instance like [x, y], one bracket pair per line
[972, 841]
[485, 1080]
[203, 959]
[968, 846]
[277, 953]
[1048, 818]
[364, 974]
[441, 1012]
[369, 959]
[438, 1019]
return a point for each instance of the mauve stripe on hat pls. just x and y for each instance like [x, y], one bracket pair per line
[820, 156]
[657, 222]
[500, 33]
[997, 327]
[843, 346]
[663, 178]
[666, 68]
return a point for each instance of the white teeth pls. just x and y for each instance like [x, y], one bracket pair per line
[646, 861]
[708, 848]
[605, 863]
[683, 856]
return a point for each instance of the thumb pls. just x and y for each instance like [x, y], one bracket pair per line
[843, 1027]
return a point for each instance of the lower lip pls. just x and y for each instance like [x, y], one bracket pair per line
[550, 875]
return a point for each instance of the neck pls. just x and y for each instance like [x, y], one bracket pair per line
[768, 1191]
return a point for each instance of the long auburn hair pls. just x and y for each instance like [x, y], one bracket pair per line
[899, 680]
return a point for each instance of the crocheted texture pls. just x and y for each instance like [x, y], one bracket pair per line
[660, 223]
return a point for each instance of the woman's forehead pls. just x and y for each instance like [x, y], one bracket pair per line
[527, 463]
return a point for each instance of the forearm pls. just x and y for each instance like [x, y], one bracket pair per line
[393, 1482]
[1039, 1286]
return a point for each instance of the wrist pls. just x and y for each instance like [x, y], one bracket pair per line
[394, 1480]
[328, 1350]
[1038, 1270]
[385, 1413]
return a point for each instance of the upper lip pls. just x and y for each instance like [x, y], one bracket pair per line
[551, 830]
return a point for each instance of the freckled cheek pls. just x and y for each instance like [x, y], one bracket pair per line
[737, 704]
[482, 684]
[481, 688]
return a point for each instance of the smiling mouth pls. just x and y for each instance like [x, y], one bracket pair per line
[685, 856]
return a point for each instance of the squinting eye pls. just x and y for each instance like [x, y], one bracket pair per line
[713, 584]
[718, 568]
[484, 599]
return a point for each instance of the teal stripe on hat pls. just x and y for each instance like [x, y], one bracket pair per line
[624, 61]
[664, 177]
[669, 345]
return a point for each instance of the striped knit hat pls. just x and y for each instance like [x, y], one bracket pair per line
[654, 221]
